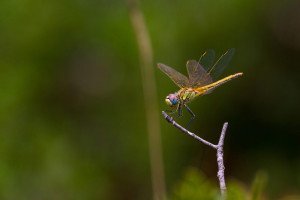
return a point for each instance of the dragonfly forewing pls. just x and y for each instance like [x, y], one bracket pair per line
[178, 78]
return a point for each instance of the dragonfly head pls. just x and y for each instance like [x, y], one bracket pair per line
[172, 100]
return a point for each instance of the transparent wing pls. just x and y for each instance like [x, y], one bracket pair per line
[178, 78]
[197, 74]
[216, 70]
[207, 59]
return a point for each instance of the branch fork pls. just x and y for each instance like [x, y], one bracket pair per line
[218, 147]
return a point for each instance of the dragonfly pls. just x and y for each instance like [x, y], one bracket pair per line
[201, 80]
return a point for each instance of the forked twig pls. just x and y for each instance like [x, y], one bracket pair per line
[218, 147]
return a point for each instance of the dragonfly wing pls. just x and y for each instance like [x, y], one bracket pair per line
[217, 69]
[197, 74]
[178, 78]
[207, 59]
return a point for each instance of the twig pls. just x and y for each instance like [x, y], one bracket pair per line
[218, 147]
[150, 98]
[221, 167]
[172, 121]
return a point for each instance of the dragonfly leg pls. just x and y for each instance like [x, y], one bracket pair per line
[171, 112]
[179, 109]
[192, 115]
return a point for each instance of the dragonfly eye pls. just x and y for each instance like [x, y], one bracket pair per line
[168, 102]
[171, 100]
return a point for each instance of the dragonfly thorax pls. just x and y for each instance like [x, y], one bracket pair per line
[187, 94]
[172, 100]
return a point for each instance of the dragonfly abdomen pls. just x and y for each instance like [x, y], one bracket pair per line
[208, 88]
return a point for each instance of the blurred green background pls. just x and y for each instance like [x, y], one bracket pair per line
[72, 115]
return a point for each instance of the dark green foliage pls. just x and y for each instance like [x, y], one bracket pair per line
[259, 185]
[195, 185]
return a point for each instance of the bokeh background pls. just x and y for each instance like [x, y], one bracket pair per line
[72, 113]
